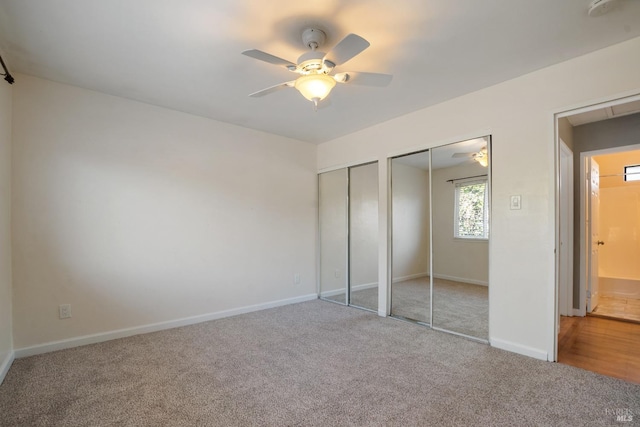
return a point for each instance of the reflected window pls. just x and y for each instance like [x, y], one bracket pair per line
[472, 210]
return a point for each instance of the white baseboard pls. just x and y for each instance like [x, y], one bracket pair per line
[409, 277]
[354, 288]
[5, 365]
[518, 348]
[326, 294]
[460, 279]
[154, 327]
[364, 286]
[577, 312]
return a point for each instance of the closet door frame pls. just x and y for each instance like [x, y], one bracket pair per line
[348, 236]
[390, 158]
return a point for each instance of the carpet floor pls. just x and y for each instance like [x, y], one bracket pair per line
[314, 363]
[458, 307]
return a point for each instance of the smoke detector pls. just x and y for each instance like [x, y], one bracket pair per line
[600, 7]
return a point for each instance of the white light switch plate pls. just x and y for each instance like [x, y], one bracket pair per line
[516, 202]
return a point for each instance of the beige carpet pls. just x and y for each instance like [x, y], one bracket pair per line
[458, 307]
[314, 363]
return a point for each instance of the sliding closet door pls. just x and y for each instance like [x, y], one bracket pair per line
[333, 234]
[410, 288]
[363, 236]
[460, 207]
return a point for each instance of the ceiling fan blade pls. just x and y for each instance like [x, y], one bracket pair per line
[272, 89]
[346, 49]
[463, 154]
[365, 79]
[267, 57]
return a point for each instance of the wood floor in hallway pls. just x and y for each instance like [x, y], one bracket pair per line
[609, 347]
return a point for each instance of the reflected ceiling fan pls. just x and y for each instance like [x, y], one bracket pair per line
[315, 68]
[479, 156]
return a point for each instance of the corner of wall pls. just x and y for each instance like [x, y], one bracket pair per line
[6, 281]
[6, 364]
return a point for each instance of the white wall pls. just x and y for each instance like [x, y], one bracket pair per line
[6, 343]
[135, 214]
[462, 260]
[519, 116]
[410, 201]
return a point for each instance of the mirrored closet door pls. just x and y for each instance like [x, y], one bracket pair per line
[410, 243]
[348, 229]
[363, 236]
[460, 197]
[440, 204]
[333, 234]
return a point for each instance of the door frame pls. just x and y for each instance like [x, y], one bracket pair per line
[566, 225]
[553, 323]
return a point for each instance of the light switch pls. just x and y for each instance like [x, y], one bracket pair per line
[516, 202]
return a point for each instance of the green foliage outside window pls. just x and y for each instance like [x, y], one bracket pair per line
[471, 211]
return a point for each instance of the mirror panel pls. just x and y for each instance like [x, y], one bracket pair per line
[363, 236]
[332, 218]
[410, 288]
[460, 208]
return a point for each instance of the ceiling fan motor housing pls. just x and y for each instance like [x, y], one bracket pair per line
[313, 38]
[311, 62]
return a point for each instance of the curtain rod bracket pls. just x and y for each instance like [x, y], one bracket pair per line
[7, 75]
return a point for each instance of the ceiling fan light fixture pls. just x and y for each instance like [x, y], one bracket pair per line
[315, 86]
[482, 157]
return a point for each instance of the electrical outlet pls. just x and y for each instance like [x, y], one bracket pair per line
[64, 311]
[336, 273]
[296, 278]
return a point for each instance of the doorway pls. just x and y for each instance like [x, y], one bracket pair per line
[618, 242]
[592, 134]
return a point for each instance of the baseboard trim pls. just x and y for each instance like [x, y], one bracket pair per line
[518, 348]
[364, 286]
[409, 277]
[460, 279]
[353, 289]
[5, 365]
[326, 294]
[154, 327]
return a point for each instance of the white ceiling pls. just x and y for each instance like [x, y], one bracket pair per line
[442, 157]
[185, 55]
[604, 113]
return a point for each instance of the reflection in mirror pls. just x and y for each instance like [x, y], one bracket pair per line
[410, 288]
[332, 195]
[460, 208]
[363, 236]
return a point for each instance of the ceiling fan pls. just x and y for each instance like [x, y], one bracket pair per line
[480, 156]
[314, 67]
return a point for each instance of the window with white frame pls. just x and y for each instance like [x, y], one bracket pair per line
[632, 173]
[471, 219]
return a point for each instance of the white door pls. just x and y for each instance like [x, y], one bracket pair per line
[593, 291]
